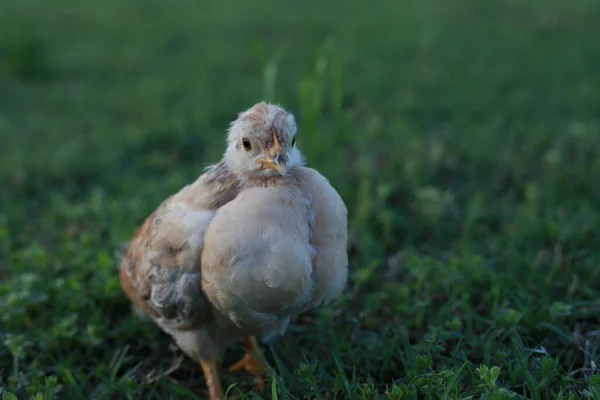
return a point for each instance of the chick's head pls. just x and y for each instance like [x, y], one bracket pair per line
[262, 142]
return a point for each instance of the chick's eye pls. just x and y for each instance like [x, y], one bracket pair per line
[294, 141]
[246, 144]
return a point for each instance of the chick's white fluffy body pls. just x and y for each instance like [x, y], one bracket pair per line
[259, 279]
[245, 247]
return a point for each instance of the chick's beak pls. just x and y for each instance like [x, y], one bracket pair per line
[277, 159]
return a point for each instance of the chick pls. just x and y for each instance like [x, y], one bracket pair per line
[254, 241]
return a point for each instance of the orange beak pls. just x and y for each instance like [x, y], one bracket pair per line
[277, 159]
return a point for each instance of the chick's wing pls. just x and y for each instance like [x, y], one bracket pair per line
[161, 269]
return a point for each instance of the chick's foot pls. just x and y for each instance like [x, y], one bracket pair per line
[252, 363]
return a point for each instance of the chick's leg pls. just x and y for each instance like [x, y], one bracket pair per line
[211, 375]
[252, 362]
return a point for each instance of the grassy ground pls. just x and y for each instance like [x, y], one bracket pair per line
[464, 137]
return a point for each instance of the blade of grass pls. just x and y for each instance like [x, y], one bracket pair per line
[452, 381]
[530, 380]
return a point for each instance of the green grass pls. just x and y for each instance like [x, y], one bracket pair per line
[464, 137]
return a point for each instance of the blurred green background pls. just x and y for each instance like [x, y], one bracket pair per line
[464, 137]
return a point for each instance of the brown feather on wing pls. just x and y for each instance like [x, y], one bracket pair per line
[160, 271]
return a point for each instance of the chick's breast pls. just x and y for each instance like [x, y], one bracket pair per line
[256, 263]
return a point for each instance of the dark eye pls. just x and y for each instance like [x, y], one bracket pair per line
[246, 144]
[294, 141]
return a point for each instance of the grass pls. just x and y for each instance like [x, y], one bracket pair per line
[463, 137]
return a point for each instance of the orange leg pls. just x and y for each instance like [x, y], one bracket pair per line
[211, 375]
[251, 362]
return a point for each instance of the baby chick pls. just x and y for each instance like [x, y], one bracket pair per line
[254, 241]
